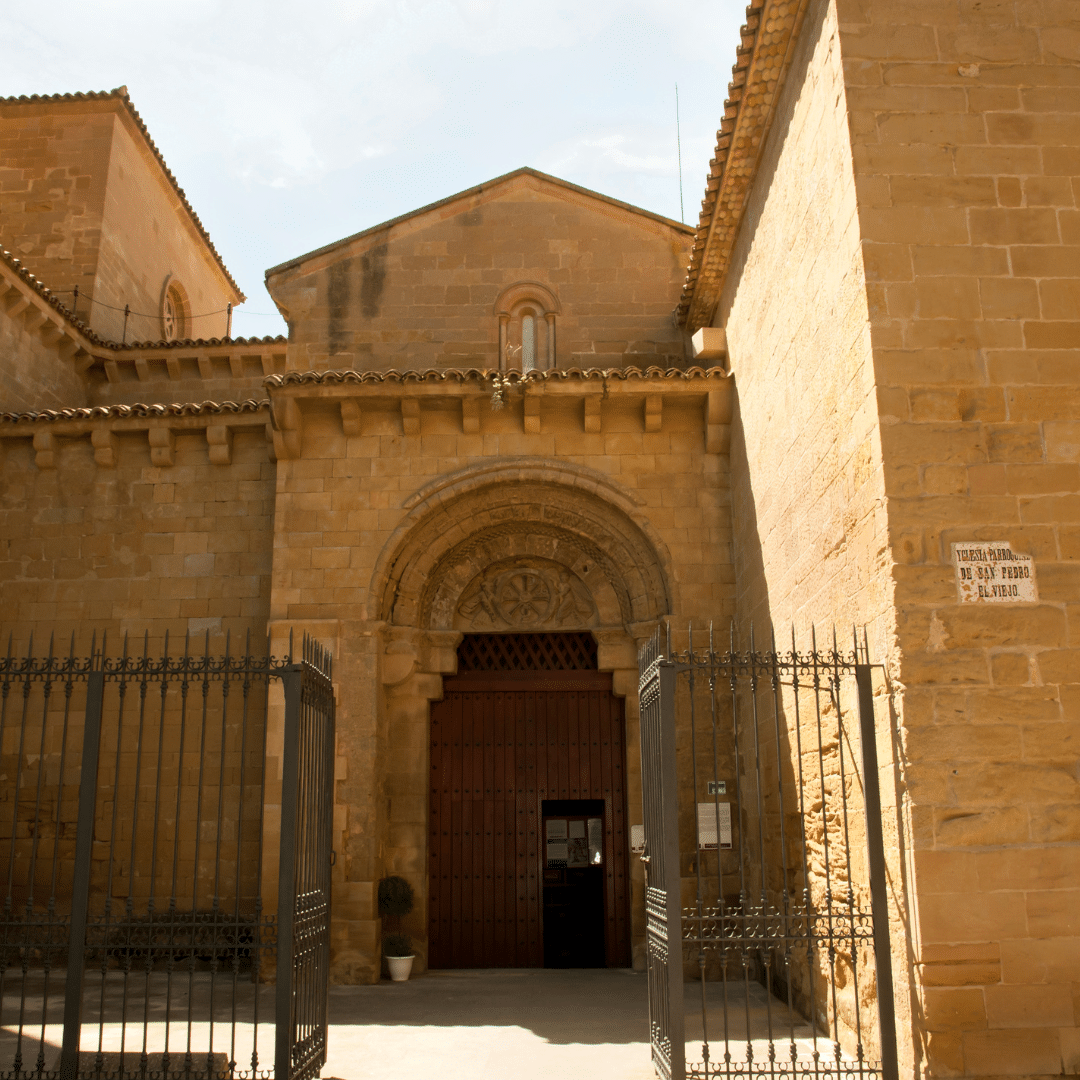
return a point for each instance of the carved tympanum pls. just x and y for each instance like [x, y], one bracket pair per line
[526, 594]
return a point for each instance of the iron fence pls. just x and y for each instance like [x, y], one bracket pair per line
[134, 940]
[765, 867]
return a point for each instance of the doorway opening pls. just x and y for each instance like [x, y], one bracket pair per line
[573, 883]
[528, 734]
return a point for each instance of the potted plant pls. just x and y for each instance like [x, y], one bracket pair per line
[397, 948]
[395, 902]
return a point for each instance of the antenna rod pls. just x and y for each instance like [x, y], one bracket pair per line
[678, 143]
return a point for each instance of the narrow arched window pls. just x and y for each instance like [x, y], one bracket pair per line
[175, 311]
[526, 312]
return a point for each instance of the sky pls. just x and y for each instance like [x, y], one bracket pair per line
[291, 125]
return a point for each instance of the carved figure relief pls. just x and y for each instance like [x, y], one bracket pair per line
[526, 594]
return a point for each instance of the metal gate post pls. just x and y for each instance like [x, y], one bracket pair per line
[879, 897]
[80, 888]
[292, 678]
[672, 885]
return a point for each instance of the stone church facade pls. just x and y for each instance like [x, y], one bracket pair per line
[533, 410]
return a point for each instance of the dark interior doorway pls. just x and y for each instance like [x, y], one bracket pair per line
[573, 831]
[525, 726]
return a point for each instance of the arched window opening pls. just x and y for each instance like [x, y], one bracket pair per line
[526, 312]
[174, 311]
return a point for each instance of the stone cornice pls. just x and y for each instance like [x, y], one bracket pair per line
[292, 393]
[218, 421]
[135, 412]
[120, 95]
[762, 61]
[483, 378]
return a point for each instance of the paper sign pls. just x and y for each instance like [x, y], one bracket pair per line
[990, 572]
[637, 839]
[556, 841]
[707, 814]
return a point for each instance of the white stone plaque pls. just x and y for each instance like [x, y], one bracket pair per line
[990, 572]
[707, 813]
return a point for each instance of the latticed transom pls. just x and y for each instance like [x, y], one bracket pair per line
[527, 652]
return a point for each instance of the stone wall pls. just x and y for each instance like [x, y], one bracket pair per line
[421, 292]
[134, 546]
[966, 148]
[85, 202]
[53, 169]
[147, 239]
[808, 510]
[32, 374]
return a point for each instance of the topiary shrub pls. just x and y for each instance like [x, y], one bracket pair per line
[397, 945]
[395, 896]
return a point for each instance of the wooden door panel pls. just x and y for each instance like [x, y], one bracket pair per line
[499, 748]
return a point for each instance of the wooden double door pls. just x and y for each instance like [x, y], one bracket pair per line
[518, 758]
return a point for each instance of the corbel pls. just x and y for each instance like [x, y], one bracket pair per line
[51, 332]
[592, 413]
[67, 347]
[410, 416]
[142, 368]
[106, 447]
[45, 449]
[654, 411]
[83, 360]
[34, 319]
[718, 422]
[172, 365]
[470, 415]
[112, 371]
[286, 417]
[219, 437]
[236, 365]
[206, 368]
[162, 445]
[532, 414]
[18, 305]
[271, 446]
[350, 416]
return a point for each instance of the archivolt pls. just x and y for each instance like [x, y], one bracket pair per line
[486, 509]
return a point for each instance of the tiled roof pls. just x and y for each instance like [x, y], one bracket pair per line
[54, 301]
[121, 94]
[483, 375]
[119, 412]
[762, 60]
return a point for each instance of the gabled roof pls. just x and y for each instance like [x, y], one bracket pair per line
[120, 94]
[766, 45]
[480, 189]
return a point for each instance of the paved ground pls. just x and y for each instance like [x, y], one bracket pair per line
[530, 1025]
[468, 1025]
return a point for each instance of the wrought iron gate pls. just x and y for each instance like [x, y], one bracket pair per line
[766, 914]
[133, 936]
